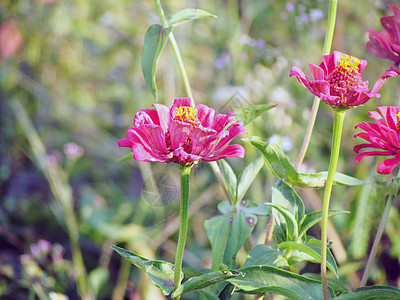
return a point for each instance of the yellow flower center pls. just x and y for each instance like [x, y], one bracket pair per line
[398, 121]
[349, 64]
[187, 114]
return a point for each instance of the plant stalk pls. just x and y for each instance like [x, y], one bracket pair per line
[337, 135]
[164, 23]
[314, 110]
[377, 240]
[183, 226]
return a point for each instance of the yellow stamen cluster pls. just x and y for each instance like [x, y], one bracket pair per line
[187, 114]
[348, 63]
[398, 121]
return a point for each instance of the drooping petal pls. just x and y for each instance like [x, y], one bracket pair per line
[234, 130]
[155, 136]
[316, 72]
[143, 154]
[371, 153]
[200, 139]
[387, 166]
[182, 157]
[230, 151]
[222, 120]
[125, 143]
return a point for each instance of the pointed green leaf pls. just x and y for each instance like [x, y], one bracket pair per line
[284, 195]
[313, 218]
[188, 14]
[259, 279]
[241, 227]
[274, 158]
[250, 113]
[290, 221]
[372, 292]
[229, 178]
[248, 176]
[154, 42]
[203, 281]
[267, 256]
[319, 180]
[161, 273]
[313, 249]
[225, 208]
[125, 158]
[217, 230]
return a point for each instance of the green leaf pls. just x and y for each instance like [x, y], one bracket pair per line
[290, 221]
[217, 230]
[372, 292]
[319, 180]
[313, 218]
[161, 273]
[284, 195]
[250, 113]
[259, 279]
[313, 249]
[154, 42]
[203, 281]
[337, 285]
[98, 278]
[229, 178]
[248, 176]
[267, 256]
[188, 14]
[241, 227]
[274, 158]
[225, 208]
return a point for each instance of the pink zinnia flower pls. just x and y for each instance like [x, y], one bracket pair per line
[183, 134]
[386, 44]
[382, 135]
[337, 80]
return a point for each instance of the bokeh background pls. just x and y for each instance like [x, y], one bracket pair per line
[70, 84]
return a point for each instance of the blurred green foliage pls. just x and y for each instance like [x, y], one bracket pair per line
[78, 75]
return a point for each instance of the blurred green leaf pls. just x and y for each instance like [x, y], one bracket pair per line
[267, 256]
[248, 176]
[261, 279]
[125, 158]
[372, 292]
[319, 180]
[154, 42]
[313, 218]
[229, 179]
[250, 113]
[313, 249]
[161, 273]
[203, 281]
[188, 14]
[217, 230]
[98, 278]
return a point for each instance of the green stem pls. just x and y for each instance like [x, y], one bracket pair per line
[164, 23]
[183, 226]
[378, 237]
[337, 135]
[314, 110]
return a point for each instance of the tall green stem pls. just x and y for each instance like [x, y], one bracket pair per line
[164, 23]
[183, 226]
[337, 135]
[314, 110]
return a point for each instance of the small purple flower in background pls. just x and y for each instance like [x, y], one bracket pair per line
[386, 44]
[338, 82]
[183, 134]
[289, 6]
[41, 248]
[382, 135]
[221, 61]
[73, 151]
[316, 15]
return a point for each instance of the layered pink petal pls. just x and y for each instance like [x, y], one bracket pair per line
[143, 154]
[387, 166]
[230, 151]
[178, 103]
[146, 116]
[163, 116]
[179, 133]
[205, 114]
[234, 130]
[181, 156]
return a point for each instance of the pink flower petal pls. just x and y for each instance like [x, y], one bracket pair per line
[163, 116]
[181, 156]
[230, 151]
[387, 166]
[142, 154]
[179, 133]
[178, 103]
[146, 116]
[205, 114]
[234, 130]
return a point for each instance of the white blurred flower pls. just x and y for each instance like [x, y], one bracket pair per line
[283, 141]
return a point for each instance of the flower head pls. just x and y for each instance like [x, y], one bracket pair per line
[383, 135]
[183, 134]
[338, 82]
[386, 44]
